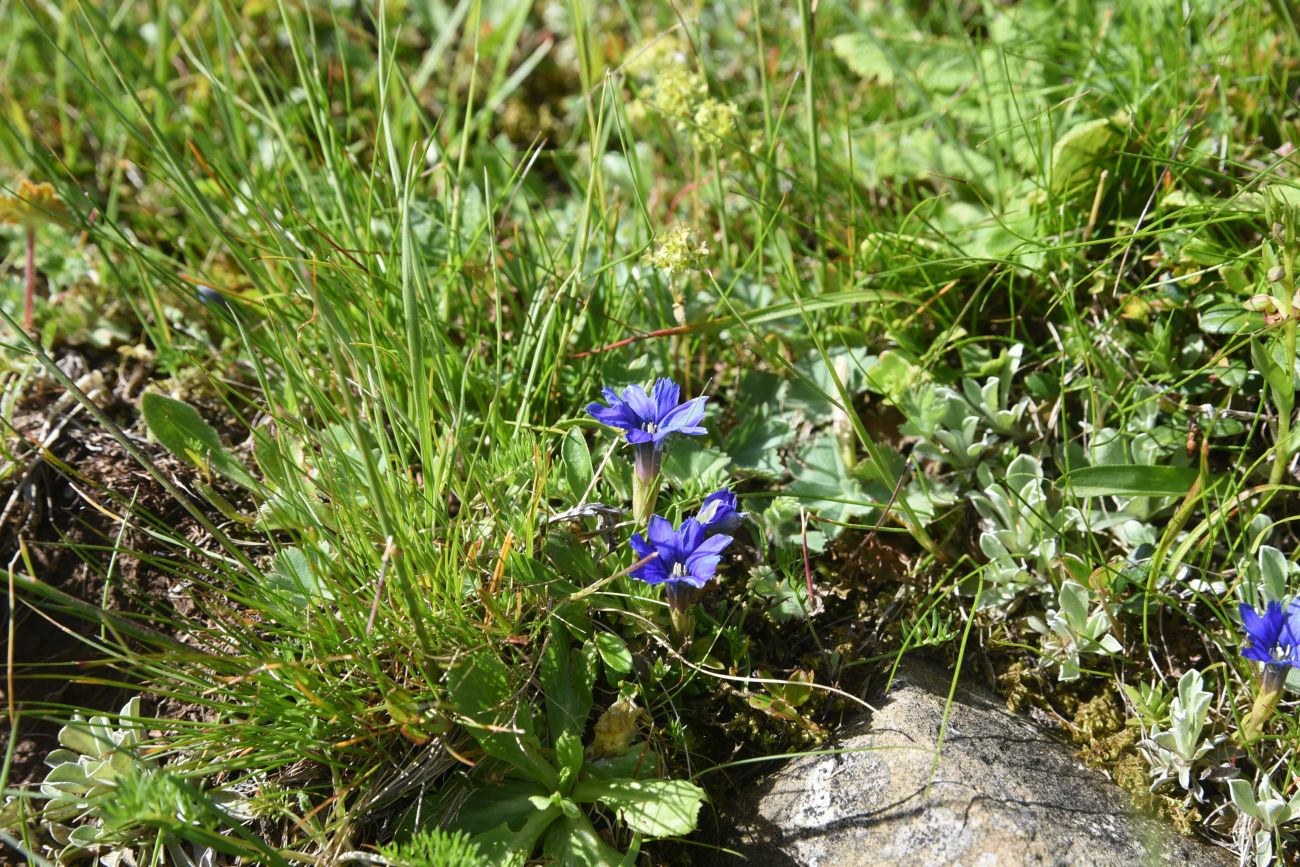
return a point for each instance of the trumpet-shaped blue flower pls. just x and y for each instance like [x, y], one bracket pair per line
[647, 419]
[687, 558]
[718, 513]
[1274, 635]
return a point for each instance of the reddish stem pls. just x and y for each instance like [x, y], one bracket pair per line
[29, 288]
[662, 332]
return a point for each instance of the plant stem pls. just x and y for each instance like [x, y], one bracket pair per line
[29, 281]
[1270, 692]
[1282, 455]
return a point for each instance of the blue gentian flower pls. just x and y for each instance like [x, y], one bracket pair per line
[647, 419]
[1274, 635]
[718, 513]
[686, 560]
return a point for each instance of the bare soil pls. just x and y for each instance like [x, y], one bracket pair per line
[75, 513]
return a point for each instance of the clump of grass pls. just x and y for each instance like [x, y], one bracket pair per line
[977, 295]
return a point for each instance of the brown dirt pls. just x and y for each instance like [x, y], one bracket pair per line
[65, 509]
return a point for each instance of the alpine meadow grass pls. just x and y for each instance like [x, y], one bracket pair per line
[468, 433]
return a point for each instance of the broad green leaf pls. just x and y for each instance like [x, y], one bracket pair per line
[296, 580]
[568, 756]
[77, 735]
[491, 806]
[614, 652]
[578, 470]
[1243, 797]
[1130, 480]
[689, 463]
[184, 433]
[827, 488]
[1281, 388]
[520, 825]
[656, 808]
[1074, 603]
[570, 557]
[566, 678]
[574, 842]
[1079, 151]
[1229, 318]
[482, 691]
[640, 761]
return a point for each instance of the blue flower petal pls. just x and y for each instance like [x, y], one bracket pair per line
[649, 417]
[665, 394]
[1271, 634]
[618, 416]
[700, 568]
[660, 531]
[685, 418]
[718, 513]
[685, 554]
[641, 404]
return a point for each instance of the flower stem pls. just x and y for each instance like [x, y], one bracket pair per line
[1282, 455]
[683, 621]
[647, 458]
[681, 609]
[644, 495]
[1270, 693]
[29, 281]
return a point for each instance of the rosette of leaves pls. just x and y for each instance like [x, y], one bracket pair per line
[95, 756]
[543, 797]
[1073, 629]
[1263, 810]
[1019, 530]
[962, 428]
[1180, 752]
[946, 428]
[103, 794]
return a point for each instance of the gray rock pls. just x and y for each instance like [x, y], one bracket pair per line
[1002, 793]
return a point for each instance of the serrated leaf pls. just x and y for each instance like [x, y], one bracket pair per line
[656, 808]
[826, 487]
[786, 600]
[184, 433]
[862, 54]
[696, 465]
[1129, 480]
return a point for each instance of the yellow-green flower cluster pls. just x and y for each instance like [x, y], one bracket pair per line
[714, 121]
[676, 92]
[659, 52]
[678, 250]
